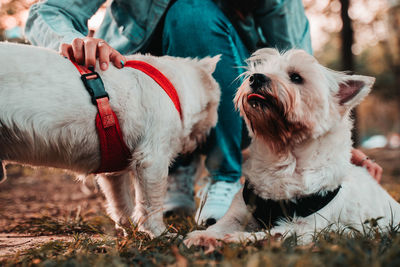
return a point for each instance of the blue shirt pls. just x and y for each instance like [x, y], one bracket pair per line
[129, 24]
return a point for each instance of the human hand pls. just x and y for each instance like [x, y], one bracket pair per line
[362, 160]
[85, 51]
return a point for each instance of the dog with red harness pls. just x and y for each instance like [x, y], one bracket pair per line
[126, 125]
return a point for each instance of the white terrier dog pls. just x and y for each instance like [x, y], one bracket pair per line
[47, 119]
[299, 178]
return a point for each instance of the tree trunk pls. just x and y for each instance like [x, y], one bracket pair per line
[394, 30]
[347, 35]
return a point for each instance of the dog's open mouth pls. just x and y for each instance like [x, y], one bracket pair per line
[256, 100]
[267, 102]
[251, 97]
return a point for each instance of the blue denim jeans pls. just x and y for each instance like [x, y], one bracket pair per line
[198, 28]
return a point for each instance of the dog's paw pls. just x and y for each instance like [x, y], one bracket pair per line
[170, 235]
[208, 240]
[153, 231]
[239, 237]
[152, 225]
[121, 230]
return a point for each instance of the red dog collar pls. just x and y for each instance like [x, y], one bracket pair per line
[115, 155]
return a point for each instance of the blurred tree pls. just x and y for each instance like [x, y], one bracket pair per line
[13, 13]
[393, 44]
[347, 36]
[362, 36]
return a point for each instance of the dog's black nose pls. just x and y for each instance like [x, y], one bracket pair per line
[258, 80]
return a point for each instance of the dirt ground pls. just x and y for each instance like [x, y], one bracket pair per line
[40, 205]
[35, 202]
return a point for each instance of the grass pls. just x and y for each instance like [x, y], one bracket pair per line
[93, 241]
[92, 246]
[49, 226]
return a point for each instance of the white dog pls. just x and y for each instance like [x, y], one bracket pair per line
[299, 178]
[47, 119]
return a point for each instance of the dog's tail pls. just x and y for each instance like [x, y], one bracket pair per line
[3, 176]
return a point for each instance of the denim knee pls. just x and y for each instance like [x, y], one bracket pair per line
[193, 23]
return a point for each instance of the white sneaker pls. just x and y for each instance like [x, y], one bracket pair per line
[180, 194]
[215, 199]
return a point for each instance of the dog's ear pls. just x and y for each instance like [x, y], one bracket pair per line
[353, 89]
[210, 63]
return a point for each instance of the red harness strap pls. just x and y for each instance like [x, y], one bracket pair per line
[160, 79]
[115, 154]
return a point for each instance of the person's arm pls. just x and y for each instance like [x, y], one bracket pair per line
[53, 22]
[62, 26]
[284, 24]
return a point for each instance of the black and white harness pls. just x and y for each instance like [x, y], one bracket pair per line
[269, 212]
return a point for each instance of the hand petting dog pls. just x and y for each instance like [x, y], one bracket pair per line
[86, 50]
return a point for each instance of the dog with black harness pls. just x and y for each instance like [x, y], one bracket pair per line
[299, 179]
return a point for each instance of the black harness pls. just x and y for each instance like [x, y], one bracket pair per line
[268, 212]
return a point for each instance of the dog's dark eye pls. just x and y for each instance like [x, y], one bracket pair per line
[295, 78]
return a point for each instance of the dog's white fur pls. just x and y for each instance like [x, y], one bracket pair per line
[315, 160]
[47, 119]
